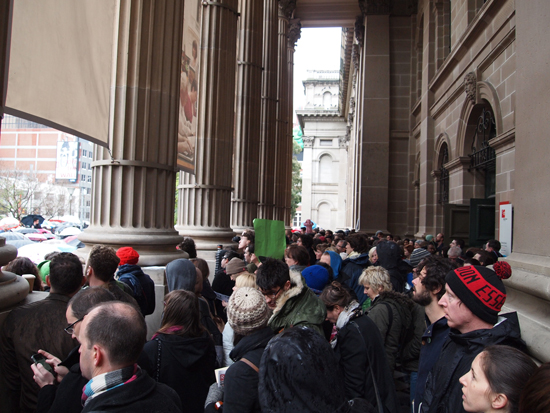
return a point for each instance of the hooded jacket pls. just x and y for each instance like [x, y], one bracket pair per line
[351, 270]
[404, 318]
[143, 287]
[186, 365]
[181, 275]
[298, 306]
[389, 258]
[241, 381]
[299, 373]
[443, 392]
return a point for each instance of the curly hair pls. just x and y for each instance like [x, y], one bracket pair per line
[104, 261]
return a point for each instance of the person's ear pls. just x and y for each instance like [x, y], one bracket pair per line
[287, 285]
[98, 355]
[499, 401]
[48, 280]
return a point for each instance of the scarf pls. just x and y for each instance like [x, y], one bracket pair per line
[169, 330]
[351, 311]
[108, 381]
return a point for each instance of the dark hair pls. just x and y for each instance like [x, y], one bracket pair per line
[120, 329]
[66, 273]
[202, 265]
[471, 261]
[104, 262]
[251, 249]
[358, 243]
[507, 370]
[460, 242]
[436, 270]
[335, 294]
[50, 255]
[182, 310]
[249, 235]
[85, 299]
[188, 245]
[272, 273]
[494, 244]
[23, 265]
[307, 240]
[535, 397]
[231, 254]
[297, 253]
[486, 258]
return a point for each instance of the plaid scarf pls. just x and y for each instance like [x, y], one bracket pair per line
[108, 381]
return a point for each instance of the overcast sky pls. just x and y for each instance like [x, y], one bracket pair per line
[317, 49]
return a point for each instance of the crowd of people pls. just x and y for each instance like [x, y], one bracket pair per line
[339, 325]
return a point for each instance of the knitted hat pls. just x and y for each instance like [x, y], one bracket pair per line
[235, 266]
[429, 238]
[503, 269]
[316, 277]
[418, 255]
[127, 255]
[480, 289]
[247, 311]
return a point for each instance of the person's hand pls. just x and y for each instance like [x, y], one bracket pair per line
[42, 377]
[224, 303]
[54, 361]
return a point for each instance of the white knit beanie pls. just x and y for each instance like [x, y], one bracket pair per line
[247, 311]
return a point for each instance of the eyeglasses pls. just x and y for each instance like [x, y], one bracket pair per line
[70, 328]
[272, 295]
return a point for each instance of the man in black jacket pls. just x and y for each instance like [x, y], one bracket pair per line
[474, 296]
[112, 337]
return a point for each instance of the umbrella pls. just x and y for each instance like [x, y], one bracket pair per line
[26, 230]
[18, 243]
[61, 245]
[70, 231]
[36, 251]
[9, 223]
[11, 236]
[29, 219]
[74, 241]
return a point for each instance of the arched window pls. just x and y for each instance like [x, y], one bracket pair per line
[326, 174]
[443, 175]
[323, 219]
[327, 100]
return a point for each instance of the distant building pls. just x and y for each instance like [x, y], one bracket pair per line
[324, 167]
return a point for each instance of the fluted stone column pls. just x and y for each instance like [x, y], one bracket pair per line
[269, 110]
[244, 205]
[293, 36]
[133, 191]
[204, 211]
[286, 10]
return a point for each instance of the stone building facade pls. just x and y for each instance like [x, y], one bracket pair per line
[325, 151]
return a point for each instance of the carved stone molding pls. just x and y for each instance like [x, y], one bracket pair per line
[308, 141]
[343, 141]
[375, 6]
[355, 53]
[351, 114]
[294, 31]
[286, 8]
[470, 87]
[359, 30]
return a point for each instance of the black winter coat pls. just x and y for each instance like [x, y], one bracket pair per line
[351, 270]
[241, 381]
[186, 365]
[143, 287]
[443, 392]
[360, 349]
[142, 395]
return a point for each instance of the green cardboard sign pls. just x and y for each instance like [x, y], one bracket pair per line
[269, 238]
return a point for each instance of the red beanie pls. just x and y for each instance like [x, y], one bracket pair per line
[127, 255]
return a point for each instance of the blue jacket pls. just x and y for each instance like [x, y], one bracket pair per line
[143, 287]
[351, 270]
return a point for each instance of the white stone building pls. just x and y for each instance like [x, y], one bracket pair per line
[325, 151]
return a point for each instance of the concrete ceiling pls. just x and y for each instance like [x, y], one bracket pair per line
[327, 13]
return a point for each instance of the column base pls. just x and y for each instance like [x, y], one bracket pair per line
[155, 247]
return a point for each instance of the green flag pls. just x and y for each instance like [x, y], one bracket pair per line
[269, 240]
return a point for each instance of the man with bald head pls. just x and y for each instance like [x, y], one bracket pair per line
[112, 336]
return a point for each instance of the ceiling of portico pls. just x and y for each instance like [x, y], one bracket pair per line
[342, 13]
[327, 13]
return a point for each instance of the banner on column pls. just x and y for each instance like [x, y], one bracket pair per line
[505, 228]
[190, 58]
[269, 240]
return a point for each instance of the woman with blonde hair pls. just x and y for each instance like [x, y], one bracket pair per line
[394, 314]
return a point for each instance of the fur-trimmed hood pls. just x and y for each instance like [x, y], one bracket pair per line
[297, 284]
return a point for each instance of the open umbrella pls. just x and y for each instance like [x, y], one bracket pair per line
[9, 223]
[60, 244]
[70, 231]
[29, 219]
[74, 241]
[36, 251]
[16, 239]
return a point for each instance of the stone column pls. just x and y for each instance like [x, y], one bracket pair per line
[244, 205]
[293, 36]
[375, 114]
[133, 190]
[286, 10]
[269, 111]
[204, 211]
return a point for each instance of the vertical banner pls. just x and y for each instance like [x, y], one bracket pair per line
[190, 55]
[505, 228]
[67, 160]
